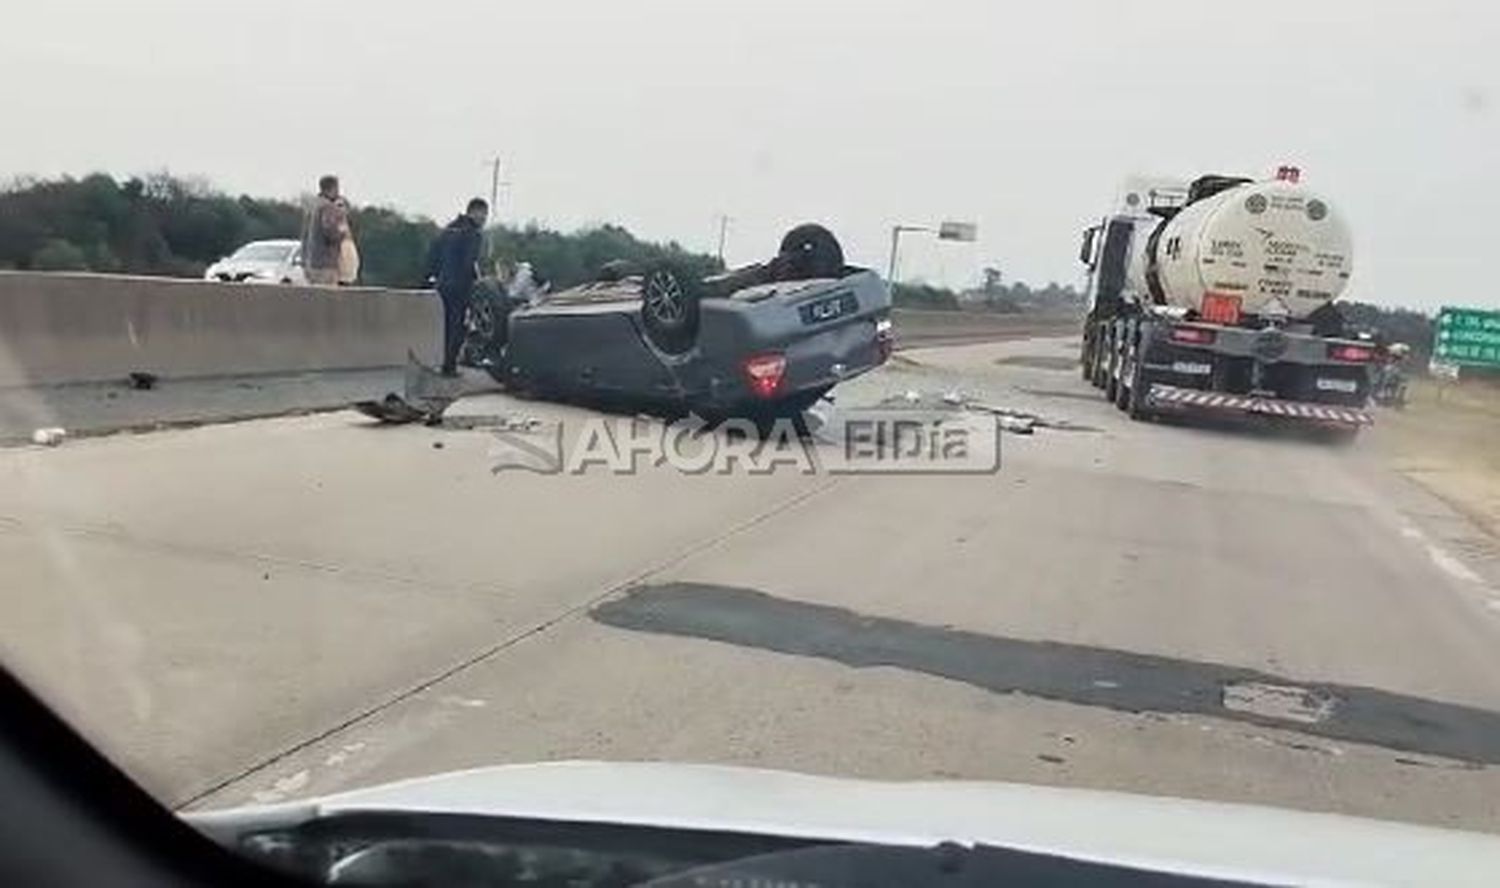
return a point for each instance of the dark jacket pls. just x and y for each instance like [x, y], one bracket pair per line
[453, 259]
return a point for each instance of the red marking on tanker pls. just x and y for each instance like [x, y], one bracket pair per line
[1221, 308]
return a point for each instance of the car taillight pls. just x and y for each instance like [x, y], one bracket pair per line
[1356, 353]
[764, 373]
[1193, 335]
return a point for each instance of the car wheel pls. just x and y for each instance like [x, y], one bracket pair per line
[479, 333]
[809, 251]
[669, 308]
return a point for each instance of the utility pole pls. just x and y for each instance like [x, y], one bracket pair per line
[723, 233]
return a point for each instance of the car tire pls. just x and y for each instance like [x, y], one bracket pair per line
[670, 308]
[809, 251]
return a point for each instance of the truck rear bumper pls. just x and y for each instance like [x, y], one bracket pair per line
[1171, 397]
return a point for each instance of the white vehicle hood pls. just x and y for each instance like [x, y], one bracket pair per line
[1246, 842]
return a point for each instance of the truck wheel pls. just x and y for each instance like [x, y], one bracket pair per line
[669, 308]
[1111, 369]
[1086, 359]
[1135, 403]
[1125, 388]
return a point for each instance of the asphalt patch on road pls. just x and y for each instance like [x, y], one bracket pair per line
[1080, 674]
[1040, 362]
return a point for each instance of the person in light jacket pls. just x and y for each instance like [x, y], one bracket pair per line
[323, 230]
[348, 250]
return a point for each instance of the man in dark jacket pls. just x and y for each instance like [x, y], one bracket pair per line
[453, 266]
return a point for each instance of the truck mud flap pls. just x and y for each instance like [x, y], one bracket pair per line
[1171, 397]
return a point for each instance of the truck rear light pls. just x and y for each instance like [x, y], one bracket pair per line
[1291, 174]
[1194, 335]
[1356, 353]
[764, 373]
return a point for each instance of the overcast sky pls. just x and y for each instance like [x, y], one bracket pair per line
[661, 115]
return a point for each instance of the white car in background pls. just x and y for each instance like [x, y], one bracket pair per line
[261, 262]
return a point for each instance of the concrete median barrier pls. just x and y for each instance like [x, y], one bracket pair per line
[72, 328]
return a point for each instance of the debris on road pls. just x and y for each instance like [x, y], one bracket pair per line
[142, 380]
[1032, 419]
[428, 396]
[1019, 422]
[394, 410]
[1016, 424]
[49, 437]
[490, 423]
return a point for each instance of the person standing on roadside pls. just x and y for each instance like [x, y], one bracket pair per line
[348, 250]
[453, 266]
[323, 232]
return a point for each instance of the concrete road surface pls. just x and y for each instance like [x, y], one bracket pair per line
[286, 607]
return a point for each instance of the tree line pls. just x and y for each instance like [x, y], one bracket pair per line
[166, 225]
[1012, 298]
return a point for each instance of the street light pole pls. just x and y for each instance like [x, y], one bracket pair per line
[495, 185]
[723, 232]
[896, 232]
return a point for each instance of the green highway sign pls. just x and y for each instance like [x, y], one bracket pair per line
[1468, 337]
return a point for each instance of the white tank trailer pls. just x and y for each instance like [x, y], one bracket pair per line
[1218, 296]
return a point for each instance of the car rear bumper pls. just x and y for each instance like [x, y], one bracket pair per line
[814, 364]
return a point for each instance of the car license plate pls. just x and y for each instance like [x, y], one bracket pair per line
[1347, 386]
[827, 309]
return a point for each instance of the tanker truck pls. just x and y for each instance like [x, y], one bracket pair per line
[1217, 296]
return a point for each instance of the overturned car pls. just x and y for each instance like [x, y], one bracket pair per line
[768, 339]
